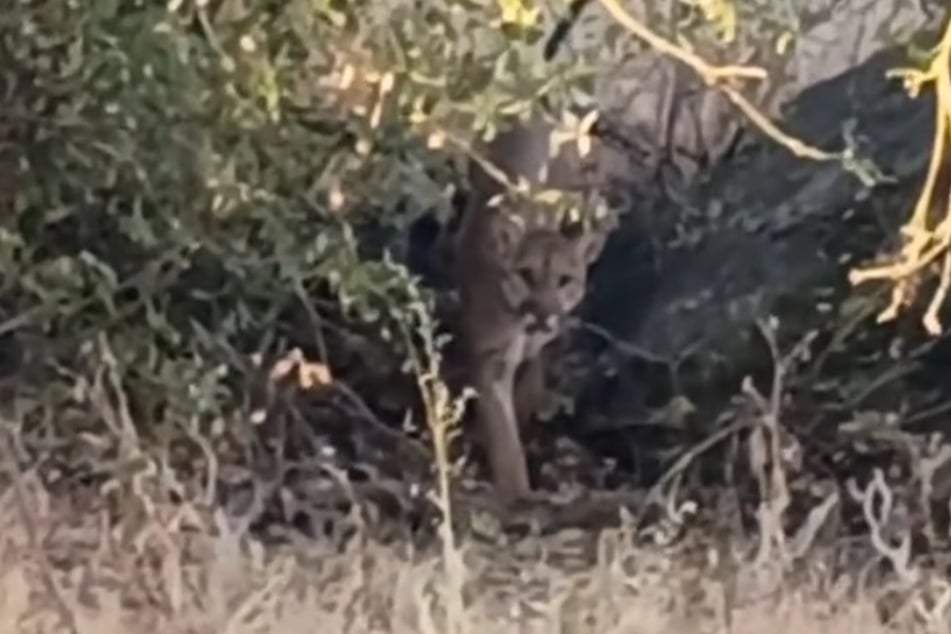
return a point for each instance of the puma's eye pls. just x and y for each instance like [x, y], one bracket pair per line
[526, 274]
[564, 280]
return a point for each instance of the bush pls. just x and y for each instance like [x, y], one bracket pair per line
[187, 176]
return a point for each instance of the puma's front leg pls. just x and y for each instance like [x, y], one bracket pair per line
[529, 390]
[495, 413]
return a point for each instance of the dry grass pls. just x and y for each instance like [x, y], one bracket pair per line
[67, 568]
[125, 557]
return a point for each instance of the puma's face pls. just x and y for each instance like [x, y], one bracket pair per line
[546, 276]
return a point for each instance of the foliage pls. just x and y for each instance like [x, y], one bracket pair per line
[185, 174]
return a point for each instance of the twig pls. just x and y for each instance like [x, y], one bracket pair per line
[923, 244]
[773, 489]
[723, 78]
[655, 496]
[899, 556]
[710, 73]
[364, 411]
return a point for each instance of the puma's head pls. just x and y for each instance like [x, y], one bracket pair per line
[545, 271]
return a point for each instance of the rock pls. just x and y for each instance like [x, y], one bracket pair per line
[767, 232]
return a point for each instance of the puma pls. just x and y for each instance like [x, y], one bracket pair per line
[519, 274]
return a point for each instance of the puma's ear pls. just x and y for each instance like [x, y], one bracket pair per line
[589, 241]
[507, 232]
[592, 243]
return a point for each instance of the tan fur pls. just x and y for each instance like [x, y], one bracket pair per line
[518, 279]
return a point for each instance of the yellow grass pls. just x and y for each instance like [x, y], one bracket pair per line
[187, 572]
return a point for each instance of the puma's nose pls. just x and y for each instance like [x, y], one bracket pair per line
[537, 320]
[531, 319]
